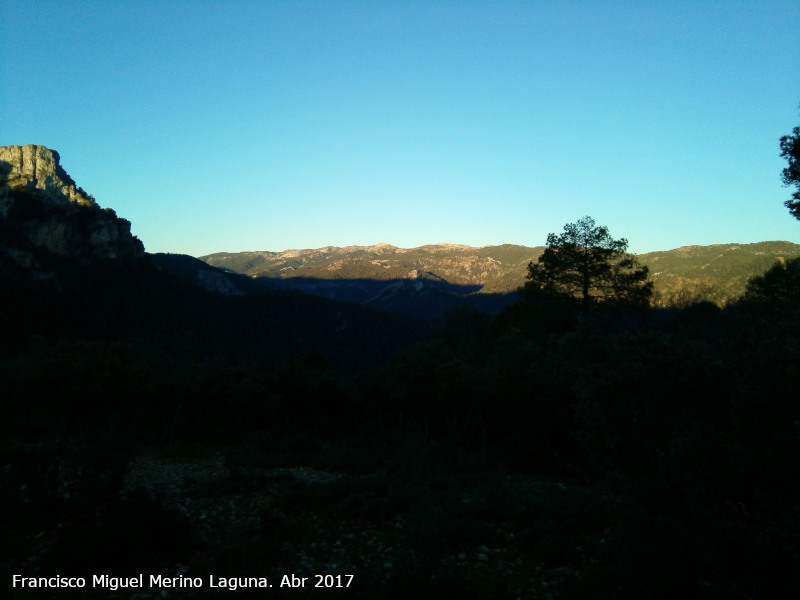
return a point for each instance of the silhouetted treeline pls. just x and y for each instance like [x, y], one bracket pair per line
[603, 453]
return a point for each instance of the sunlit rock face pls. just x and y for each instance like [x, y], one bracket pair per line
[42, 212]
[29, 168]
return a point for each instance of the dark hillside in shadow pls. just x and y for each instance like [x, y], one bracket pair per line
[419, 298]
[109, 302]
[426, 297]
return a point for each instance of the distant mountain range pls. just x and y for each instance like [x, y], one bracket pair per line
[493, 269]
[46, 219]
[370, 274]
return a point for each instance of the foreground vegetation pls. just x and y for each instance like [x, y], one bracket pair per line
[551, 452]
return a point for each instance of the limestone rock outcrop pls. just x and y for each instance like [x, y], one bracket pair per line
[38, 168]
[43, 213]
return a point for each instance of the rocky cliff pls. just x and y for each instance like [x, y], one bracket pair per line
[36, 168]
[44, 214]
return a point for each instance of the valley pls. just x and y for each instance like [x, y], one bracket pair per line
[401, 416]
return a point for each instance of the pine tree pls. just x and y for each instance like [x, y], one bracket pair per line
[587, 265]
[790, 150]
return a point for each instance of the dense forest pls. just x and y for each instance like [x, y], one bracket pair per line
[553, 451]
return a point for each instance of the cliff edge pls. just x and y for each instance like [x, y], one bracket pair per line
[43, 214]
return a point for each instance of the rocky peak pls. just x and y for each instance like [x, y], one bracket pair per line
[44, 213]
[34, 167]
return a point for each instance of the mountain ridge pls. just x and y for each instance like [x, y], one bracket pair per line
[717, 272]
[494, 268]
[455, 246]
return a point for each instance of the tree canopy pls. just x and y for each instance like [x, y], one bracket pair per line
[781, 283]
[790, 150]
[586, 264]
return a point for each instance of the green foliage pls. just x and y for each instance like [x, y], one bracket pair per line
[780, 284]
[717, 273]
[790, 150]
[587, 265]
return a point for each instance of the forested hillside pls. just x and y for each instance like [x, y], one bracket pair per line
[715, 273]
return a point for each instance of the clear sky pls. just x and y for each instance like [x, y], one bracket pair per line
[272, 125]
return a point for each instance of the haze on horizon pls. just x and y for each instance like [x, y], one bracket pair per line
[284, 125]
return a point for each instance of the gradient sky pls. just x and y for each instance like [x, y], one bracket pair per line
[238, 125]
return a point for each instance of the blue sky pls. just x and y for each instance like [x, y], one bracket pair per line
[243, 125]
